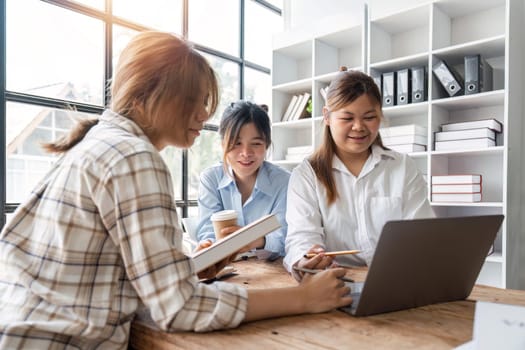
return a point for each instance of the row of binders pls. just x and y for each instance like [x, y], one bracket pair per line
[297, 108]
[402, 87]
[467, 135]
[457, 188]
[477, 76]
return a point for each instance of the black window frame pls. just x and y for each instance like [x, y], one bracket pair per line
[109, 20]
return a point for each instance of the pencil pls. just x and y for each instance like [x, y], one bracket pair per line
[341, 252]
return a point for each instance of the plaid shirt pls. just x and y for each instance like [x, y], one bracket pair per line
[95, 239]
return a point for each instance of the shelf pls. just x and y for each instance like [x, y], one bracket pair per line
[294, 124]
[495, 257]
[466, 204]
[482, 99]
[411, 109]
[472, 152]
[489, 47]
[416, 60]
[286, 162]
[295, 86]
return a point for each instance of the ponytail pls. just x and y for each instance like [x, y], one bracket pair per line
[76, 135]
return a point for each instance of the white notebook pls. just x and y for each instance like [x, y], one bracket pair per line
[232, 243]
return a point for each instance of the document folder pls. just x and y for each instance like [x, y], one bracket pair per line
[404, 82]
[389, 89]
[419, 84]
[478, 75]
[448, 78]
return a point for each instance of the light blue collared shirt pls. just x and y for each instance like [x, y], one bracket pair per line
[218, 191]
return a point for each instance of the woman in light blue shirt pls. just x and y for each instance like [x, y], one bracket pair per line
[244, 181]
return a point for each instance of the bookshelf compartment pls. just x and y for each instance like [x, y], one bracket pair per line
[290, 137]
[459, 22]
[490, 166]
[399, 35]
[343, 48]
[292, 63]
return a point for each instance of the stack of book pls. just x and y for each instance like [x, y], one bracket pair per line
[298, 153]
[456, 188]
[297, 108]
[467, 135]
[405, 138]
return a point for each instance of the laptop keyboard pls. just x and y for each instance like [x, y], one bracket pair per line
[355, 292]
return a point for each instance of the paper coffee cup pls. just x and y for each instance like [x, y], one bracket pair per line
[222, 219]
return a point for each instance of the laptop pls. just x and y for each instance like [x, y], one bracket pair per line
[424, 261]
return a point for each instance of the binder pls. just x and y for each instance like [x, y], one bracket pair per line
[378, 79]
[404, 82]
[419, 84]
[389, 89]
[478, 74]
[448, 78]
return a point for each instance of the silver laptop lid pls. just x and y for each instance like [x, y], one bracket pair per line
[426, 261]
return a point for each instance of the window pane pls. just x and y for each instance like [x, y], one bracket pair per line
[206, 151]
[121, 37]
[54, 52]
[257, 87]
[261, 23]
[229, 77]
[173, 158]
[215, 24]
[27, 127]
[159, 14]
[97, 4]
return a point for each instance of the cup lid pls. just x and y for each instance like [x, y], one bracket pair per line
[224, 215]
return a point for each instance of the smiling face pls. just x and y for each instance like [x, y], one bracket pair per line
[247, 153]
[354, 127]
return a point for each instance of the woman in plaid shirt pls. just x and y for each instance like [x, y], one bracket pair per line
[96, 236]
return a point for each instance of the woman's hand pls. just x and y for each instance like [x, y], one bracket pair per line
[325, 291]
[212, 271]
[319, 261]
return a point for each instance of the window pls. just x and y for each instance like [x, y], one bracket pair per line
[59, 58]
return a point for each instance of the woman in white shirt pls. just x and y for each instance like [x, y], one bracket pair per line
[340, 197]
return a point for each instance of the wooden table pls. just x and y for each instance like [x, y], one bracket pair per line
[438, 326]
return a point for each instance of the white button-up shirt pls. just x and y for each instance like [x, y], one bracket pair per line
[389, 187]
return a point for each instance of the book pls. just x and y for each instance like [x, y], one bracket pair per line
[456, 197]
[456, 179]
[404, 139]
[323, 92]
[232, 243]
[454, 188]
[464, 144]
[289, 109]
[492, 124]
[407, 148]
[301, 106]
[409, 129]
[465, 134]
[293, 112]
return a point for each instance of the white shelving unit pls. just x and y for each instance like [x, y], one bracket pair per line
[446, 30]
[307, 65]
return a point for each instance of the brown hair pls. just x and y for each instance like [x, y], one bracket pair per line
[158, 75]
[237, 115]
[343, 90]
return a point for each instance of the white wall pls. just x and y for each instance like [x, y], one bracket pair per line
[303, 13]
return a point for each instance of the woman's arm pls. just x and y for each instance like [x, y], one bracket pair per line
[321, 292]
[209, 202]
